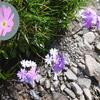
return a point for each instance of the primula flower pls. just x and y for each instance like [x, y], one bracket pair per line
[55, 60]
[48, 59]
[27, 75]
[6, 20]
[58, 63]
[26, 63]
[89, 17]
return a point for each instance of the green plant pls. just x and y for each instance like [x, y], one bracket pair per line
[40, 20]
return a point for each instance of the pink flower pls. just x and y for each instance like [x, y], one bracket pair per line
[27, 75]
[6, 20]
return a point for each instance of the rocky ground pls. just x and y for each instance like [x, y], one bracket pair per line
[80, 79]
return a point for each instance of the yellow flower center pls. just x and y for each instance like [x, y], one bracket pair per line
[4, 24]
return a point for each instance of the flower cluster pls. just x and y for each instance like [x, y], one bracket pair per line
[28, 71]
[55, 60]
[6, 20]
[90, 18]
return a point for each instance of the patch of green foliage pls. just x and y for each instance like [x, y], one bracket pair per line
[39, 21]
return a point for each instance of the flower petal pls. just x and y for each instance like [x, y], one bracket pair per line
[11, 17]
[10, 23]
[1, 30]
[6, 12]
[6, 30]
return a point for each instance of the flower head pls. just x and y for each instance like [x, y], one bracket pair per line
[55, 60]
[27, 75]
[6, 20]
[58, 63]
[89, 17]
[26, 63]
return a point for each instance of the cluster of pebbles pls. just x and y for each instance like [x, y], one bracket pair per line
[80, 79]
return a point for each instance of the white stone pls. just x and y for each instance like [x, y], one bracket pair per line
[42, 81]
[34, 95]
[38, 78]
[92, 67]
[81, 65]
[70, 92]
[98, 46]
[55, 83]
[89, 37]
[33, 84]
[82, 97]
[66, 58]
[84, 82]
[52, 88]
[55, 78]
[76, 88]
[75, 70]
[87, 44]
[47, 84]
[87, 93]
[75, 99]
[70, 75]
[63, 86]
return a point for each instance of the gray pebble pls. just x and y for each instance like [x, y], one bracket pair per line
[70, 92]
[70, 75]
[76, 88]
[47, 84]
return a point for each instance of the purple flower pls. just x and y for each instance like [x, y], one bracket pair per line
[55, 60]
[58, 63]
[6, 20]
[89, 17]
[27, 75]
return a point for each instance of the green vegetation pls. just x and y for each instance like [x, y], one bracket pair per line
[39, 21]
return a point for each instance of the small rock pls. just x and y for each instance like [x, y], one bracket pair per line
[76, 88]
[49, 73]
[56, 83]
[92, 67]
[47, 84]
[66, 58]
[33, 84]
[70, 92]
[52, 88]
[81, 65]
[75, 99]
[82, 61]
[63, 86]
[88, 45]
[38, 78]
[41, 90]
[34, 95]
[73, 64]
[75, 70]
[87, 93]
[98, 46]
[84, 82]
[70, 75]
[59, 96]
[55, 78]
[82, 97]
[65, 78]
[89, 37]
[42, 81]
